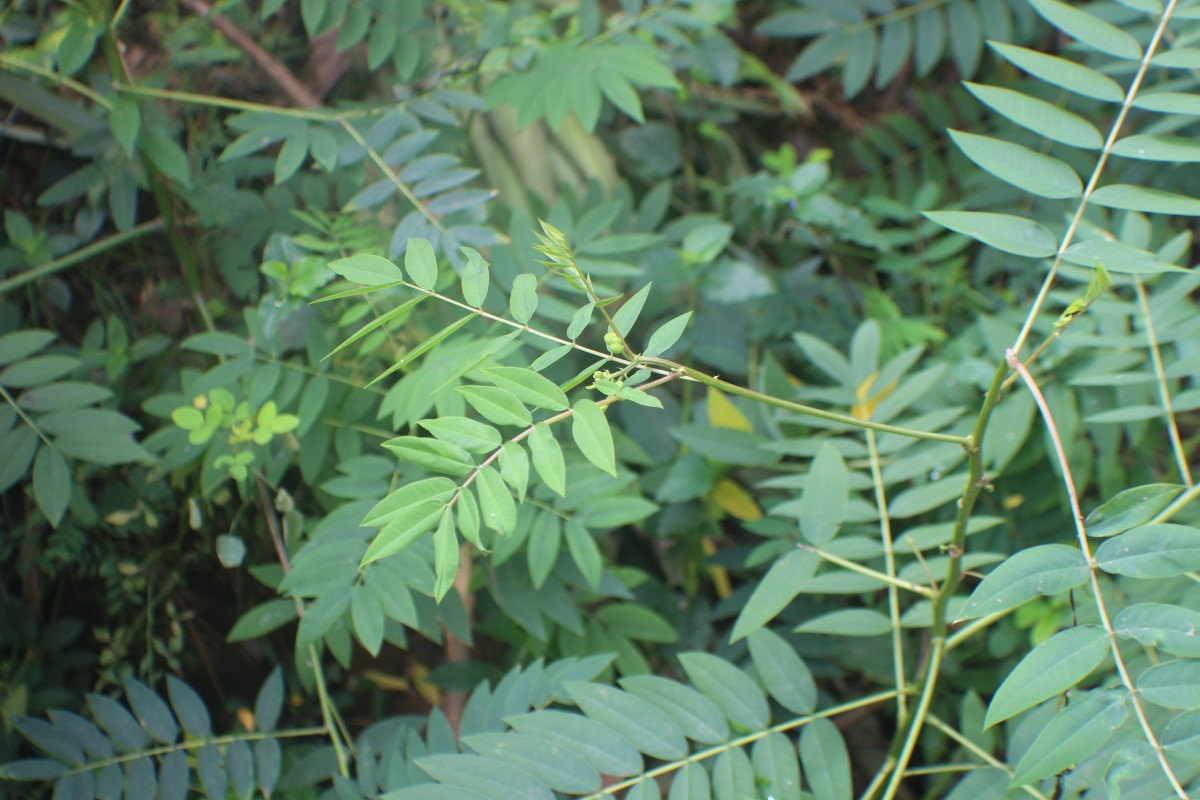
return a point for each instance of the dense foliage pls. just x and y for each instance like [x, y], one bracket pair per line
[686, 399]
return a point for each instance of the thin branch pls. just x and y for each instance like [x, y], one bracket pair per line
[890, 580]
[889, 560]
[1085, 548]
[288, 83]
[1094, 180]
[80, 255]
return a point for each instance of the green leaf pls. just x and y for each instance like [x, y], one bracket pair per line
[497, 405]
[1131, 507]
[776, 766]
[432, 454]
[151, 711]
[927, 496]
[21, 344]
[498, 510]
[166, 155]
[1146, 200]
[368, 270]
[1167, 627]
[468, 518]
[291, 155]
[1062, 73]
[50, 739]
[1014, 235]
[269, 702]
[696, 715]
[579, 321]
[1151, 551]
[37, 370]
[366, 615]
[786, 579]
[1044, 119]
[826, 496]
[637, 622]
[1089, 30]
[189, 708]
[262, 619]
[690, 783]
[730, 689]
[627, 314]
[439, 489]
[523, 300]
[1172, 684]
[1076, 732]
[321, 614]
[485, 776]
[782, 672]
[733, 776]
[548, 458]
[1026, 169]
[475, 278]
[848, 622]
[469, 434]
[1042, 570]
[421, 263]
[589, 428]
[514, 468]
[104, 448]
[646, 728]
[63, 396]
[665, 337]
[403, 529]
[584, 552]
[528, 387]
[545, 542]
[826, 762]
[445, 556]
[1148, 147]
[607, 751]
[51, 484]
[1049, 669]
[565, 772]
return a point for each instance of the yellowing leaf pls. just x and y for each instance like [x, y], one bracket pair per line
[722, 413]
[246, 717]
[719, 575]
[384, 680]
[429, 692]
[736, 501]
[864, 403]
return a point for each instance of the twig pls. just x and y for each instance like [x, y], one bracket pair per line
[288, 83]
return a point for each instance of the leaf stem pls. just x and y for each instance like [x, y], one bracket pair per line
[80, 255]
[1093, 573]
[1163, 390]
[980, 753]
[892, 581]
[749, 738]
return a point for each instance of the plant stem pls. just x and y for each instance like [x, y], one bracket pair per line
[80, 255]
[910, 729]
[891, 581]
